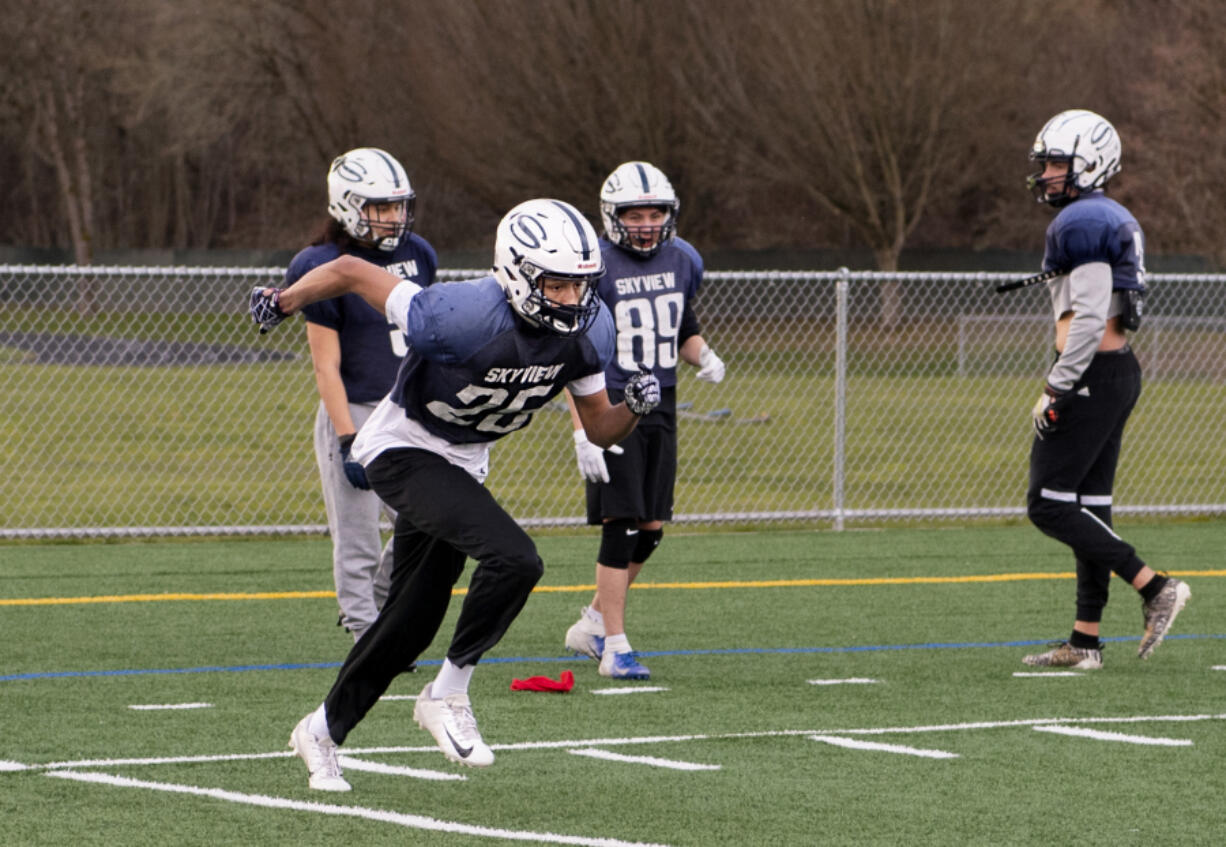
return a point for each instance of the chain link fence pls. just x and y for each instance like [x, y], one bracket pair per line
[142, 402]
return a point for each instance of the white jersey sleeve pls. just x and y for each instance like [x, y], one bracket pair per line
[397, 306]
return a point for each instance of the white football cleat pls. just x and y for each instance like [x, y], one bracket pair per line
[320, 757]
[454, 726]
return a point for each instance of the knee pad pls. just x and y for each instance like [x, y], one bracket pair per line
[649, 540]
[618, 539]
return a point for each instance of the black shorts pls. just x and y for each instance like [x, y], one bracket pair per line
[641, 479]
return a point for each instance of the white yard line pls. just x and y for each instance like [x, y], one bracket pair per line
[1031, 674]
[418, 822]
[1098, 735]
[637, 689]
[398, 697]
[643, 760]
[853, 680]
[877, 746]
[153, 707]
[351, 764]
[630, 741]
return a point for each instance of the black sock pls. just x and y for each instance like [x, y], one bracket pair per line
[1150, 590]
[1085, 642]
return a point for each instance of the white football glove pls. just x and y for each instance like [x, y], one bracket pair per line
[711, 367]
[592, 466]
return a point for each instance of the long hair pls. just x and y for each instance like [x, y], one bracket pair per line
[333, 232]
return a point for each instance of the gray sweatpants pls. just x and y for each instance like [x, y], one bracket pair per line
[361, 563]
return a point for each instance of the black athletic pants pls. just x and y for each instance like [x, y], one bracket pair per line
[443, 515]
[1072, 473]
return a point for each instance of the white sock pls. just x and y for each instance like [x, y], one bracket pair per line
[451, 680]
[318, 725]
[617, 644]
[593, 616]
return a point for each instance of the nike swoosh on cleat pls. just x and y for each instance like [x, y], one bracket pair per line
[464, 752]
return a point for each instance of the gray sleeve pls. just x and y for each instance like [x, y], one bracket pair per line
[1090, 302]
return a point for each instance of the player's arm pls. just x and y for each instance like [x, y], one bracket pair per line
[604, 423]
[325, 344]
[1089, 299]
[343, 275]
[694, 349]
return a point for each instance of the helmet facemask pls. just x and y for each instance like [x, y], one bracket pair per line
[631, 237]
[1038, 184]
[381, 232]
[562, 318]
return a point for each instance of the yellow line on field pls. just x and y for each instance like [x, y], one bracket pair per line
[557, 589]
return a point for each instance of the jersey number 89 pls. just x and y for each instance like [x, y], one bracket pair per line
[647, 331]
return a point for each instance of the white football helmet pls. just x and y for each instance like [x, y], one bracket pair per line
[548, 238]
[637, 184]
[1084, 139]
[364, 176]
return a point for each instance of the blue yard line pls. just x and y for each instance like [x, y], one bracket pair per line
[511, 660]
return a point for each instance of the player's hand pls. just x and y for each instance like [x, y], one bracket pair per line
[354, 472]
[266, 307]
[710, 366]
[592, 465]
[642, 391]
[1050, 410]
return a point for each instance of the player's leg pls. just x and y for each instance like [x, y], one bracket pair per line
[425, 571]
[656, 474]
[614, 507]
[353, 523]
[461, 516]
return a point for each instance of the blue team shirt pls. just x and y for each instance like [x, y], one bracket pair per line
[647, 298]
[1095, 228]
[371, 346]
[475, 371]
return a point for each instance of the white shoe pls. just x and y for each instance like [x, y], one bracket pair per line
[454, 727]
[586, 637]
[320, 757]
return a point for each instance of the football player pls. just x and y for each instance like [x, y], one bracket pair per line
[1098, 250]
[651, 279]
[483, 356]
[356, 351]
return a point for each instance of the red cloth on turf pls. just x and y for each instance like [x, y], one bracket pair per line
[544, 683]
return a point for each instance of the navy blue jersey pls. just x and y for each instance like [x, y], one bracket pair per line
[475, 371]
[647, 298]
[371, 346]
[1095, 228]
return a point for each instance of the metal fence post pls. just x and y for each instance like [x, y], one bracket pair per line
[840, 392]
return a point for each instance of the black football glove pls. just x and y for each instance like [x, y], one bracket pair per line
[266, 308]
[642, 391]
[1050, 410]
[354, 472]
